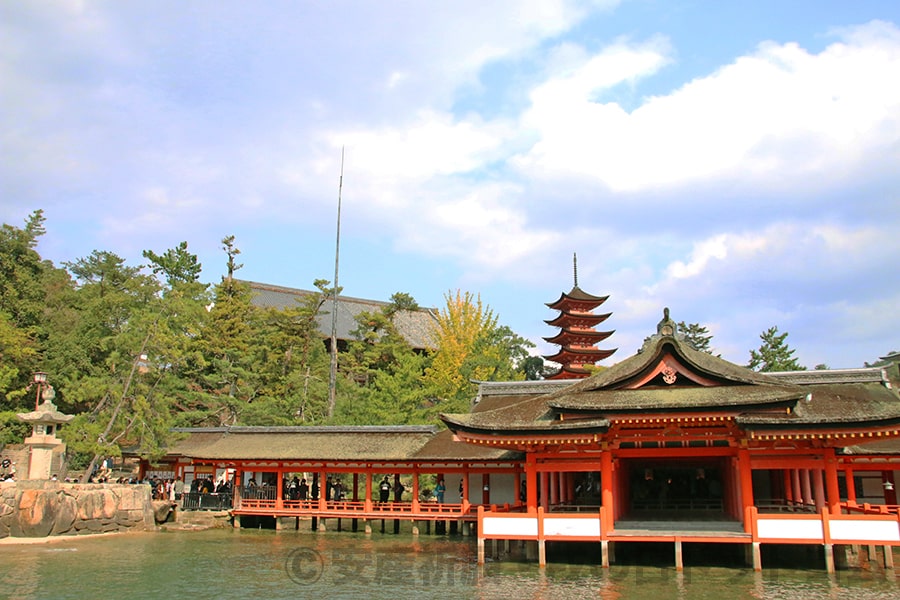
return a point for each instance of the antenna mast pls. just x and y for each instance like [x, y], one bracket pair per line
[332, 380]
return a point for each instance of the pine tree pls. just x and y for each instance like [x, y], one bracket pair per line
[697, 335]
[774, 353]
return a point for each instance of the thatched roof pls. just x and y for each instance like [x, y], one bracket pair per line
[303, 443]
[415, 326]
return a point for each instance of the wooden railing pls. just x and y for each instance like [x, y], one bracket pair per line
[198, 501]
[871, 509]
[352, 508]
[780, 505]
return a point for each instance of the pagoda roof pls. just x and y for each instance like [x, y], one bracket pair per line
[579, 296]
[565, 334]
[570, 351]
[668, 375]
[565, 317]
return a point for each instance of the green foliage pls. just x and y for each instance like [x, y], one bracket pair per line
[12, 430]
[135, 351]
[774, 354]
[471, 346]
[21, 272]
[177, 265]
[697, 335]
[387, 372]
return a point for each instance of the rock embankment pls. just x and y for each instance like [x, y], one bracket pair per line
[47, 508]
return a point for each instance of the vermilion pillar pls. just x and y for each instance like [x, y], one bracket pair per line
[606, 483]
[806, 486]
[788, 486]
[851, 485]
[279, 489]
[545, 489]
[832, 491]
[798, 491]
[531, 483]
[746, 483]
[818, 489]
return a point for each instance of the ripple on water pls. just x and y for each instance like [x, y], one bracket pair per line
[263, 564]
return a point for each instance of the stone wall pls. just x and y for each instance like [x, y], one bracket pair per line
[35, 508]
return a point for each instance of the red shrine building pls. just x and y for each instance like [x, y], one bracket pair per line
[670, 445]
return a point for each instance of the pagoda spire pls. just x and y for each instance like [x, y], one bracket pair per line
[577, 337]
[575, 267]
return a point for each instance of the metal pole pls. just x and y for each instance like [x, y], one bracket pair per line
[332, 382]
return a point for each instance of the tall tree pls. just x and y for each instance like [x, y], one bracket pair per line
[387, 372]
[177, 265]
[296, 362]
[229, 348]
[17, 350]
[774, 354]
[471, 346]
[21, 272]
[698, 336]
[22, 307]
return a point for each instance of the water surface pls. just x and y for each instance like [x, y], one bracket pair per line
[261, 564]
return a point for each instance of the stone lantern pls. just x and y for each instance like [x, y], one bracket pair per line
[45, 421]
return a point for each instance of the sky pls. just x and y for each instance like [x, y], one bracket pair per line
[736, 162]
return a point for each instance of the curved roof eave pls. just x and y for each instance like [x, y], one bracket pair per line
[651, 353]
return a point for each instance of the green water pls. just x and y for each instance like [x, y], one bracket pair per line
[254, 564]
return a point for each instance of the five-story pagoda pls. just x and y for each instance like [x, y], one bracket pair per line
[577, 337]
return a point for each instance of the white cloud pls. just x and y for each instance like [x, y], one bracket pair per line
[778, 112]
[432, 144]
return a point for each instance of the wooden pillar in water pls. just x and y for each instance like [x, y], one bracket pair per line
[757, 557]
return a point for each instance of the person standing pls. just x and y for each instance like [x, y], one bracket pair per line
[384, 489]
[439, 490]
[178, 487]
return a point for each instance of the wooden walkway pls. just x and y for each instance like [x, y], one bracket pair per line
[356, 509]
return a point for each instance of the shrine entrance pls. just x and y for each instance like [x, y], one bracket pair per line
[674, 490]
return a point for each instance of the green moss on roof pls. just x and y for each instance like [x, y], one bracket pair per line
[644, 399]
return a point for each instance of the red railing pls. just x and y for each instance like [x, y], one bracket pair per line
[871, 509]
[351, 508]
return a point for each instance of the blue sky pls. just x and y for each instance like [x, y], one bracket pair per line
[734, 161]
